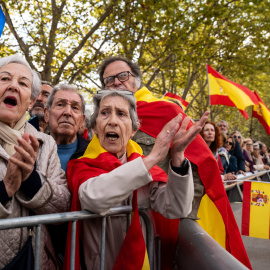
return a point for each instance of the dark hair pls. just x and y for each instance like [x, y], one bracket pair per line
[217, 143]
[134, 68]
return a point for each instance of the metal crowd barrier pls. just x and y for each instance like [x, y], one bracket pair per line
[39, 220]
[234, 191]
[196, 249]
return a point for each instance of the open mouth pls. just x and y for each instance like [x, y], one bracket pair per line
[11, 101]
[112, 136]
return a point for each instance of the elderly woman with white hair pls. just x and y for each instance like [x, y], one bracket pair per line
[31, 179]
[112, 171]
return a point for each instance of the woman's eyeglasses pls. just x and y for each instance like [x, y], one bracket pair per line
[230, 143]
[237, 137]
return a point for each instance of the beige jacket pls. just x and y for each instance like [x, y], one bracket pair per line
[99, 194]
[54, 196]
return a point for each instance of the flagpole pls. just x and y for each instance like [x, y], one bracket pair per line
[164, 94]
[211, 116]
[250, 130]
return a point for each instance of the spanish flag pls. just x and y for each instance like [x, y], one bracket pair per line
[215, 211]
[95, 161]
[169, 96]
[222, 91]
[256, 210]
[2, 21]
[261, 112]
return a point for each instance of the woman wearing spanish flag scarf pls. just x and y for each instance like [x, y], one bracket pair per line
[113, 169]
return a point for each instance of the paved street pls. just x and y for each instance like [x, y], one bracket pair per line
[258, 250]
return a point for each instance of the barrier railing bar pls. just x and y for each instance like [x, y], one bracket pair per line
[73, 244]
[128, 220]
[74, 217]
[37, 248]
[58, 217]
[103, 244]
[239, 190]
[150, 237]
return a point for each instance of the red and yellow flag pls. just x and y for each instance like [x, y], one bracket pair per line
[169, 95]
[228, 93]
[256, 210]
[215, 211]
[261, 112]
[95, 161]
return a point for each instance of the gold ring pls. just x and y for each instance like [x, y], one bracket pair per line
[168, 131]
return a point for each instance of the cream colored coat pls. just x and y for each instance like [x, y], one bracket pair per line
[99, 194]
[54, 196]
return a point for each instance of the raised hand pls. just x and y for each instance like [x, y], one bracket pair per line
[184, 137]
[27, 150]
[163, 141]
[180, 139]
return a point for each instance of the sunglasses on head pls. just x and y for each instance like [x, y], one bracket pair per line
[125, 92]
[237, 137]
[230, 143]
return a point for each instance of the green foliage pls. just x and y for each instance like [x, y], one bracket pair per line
[171, 40]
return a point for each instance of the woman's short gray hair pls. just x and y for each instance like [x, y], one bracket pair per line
[68, 87]
[17, 59]
[97, 98]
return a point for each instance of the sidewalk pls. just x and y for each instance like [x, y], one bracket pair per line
[258, 250]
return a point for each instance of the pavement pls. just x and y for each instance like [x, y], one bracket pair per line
[258, 250]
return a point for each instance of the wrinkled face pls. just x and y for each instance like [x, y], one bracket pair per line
[114, 125]
[229, 144]
[15, 92]
[65, 116]
[40, 103]
[223, 127]
[209, 133]
[249, 145]
[115, 68]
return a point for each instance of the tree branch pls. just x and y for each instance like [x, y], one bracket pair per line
[80, 46]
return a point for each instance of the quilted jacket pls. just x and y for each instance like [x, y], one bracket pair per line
[53, 196]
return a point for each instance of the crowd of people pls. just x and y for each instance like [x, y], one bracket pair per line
[234, 153]
[48, 164]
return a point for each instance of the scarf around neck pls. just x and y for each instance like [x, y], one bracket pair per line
[11, 135]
